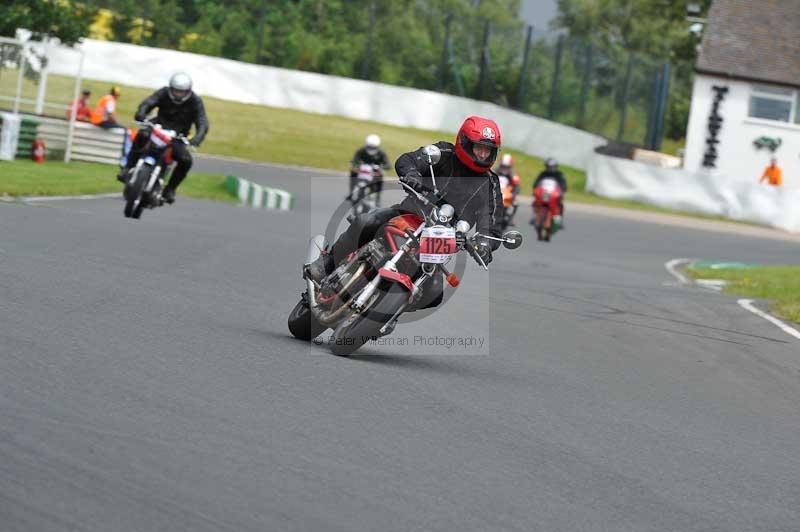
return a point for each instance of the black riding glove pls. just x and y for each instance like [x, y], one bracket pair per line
[194, 142]
[139, 117]
[413, 181]
[484, 252]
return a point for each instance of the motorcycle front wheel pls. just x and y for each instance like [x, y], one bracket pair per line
[359, 328]
[133, 192]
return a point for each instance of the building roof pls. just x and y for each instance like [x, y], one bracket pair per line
[753, 40]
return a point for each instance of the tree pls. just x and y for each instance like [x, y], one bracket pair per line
[52, 18]
[655, 30]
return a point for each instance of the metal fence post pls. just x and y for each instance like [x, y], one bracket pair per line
[523, 71]
[551, 112]
[368, 48]
[262, 19]
[71, 128]
[662, 106]
[484, 63]
[652, 111]
[445, 50]
[626, 90]
[587, 76]
[20, 77]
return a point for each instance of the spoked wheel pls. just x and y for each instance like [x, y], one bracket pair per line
[360, 328]
[302, 323]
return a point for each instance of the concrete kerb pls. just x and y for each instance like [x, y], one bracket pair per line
[258, 196]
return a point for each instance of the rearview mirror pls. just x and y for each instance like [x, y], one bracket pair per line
[433, 152]
[512, 239]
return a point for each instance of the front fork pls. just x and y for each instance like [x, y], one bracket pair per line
[361, 301]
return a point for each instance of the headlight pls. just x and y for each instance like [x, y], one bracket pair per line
[446, 213]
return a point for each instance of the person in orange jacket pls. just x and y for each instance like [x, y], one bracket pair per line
[82, 111]
[772, 174]
[105, 114]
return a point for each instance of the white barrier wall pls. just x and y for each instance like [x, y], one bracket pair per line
[317, 93]
[699, 192]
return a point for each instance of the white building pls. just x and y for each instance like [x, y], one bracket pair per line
[749, 64]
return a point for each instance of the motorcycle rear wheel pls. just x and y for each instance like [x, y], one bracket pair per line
[358, 329]
[302, 323]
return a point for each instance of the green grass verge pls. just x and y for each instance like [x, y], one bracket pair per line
[779, 284]
[26, 178]
[293, 137]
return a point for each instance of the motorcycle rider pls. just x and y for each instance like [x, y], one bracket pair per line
[506, 169]
[551, 171]
[178, 108]
[509, 179]
[371, 154]
[464, 178]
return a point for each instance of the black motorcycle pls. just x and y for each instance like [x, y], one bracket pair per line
[144, 183]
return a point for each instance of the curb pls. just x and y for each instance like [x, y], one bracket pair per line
[258, 196]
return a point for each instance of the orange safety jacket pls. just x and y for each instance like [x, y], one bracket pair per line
[773, 175]
[105, 108]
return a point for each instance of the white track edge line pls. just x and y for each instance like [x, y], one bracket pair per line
[35, 199]
[672, 265]
[747, 304]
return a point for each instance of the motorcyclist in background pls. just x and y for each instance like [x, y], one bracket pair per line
[464, 178]
[178, 109]
[509, 181]
[371, 154]
[506, 169]
[551, 171]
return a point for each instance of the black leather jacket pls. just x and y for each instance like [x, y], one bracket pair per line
[179, 117]
[363, 156]
[476, 197]
[557, 175]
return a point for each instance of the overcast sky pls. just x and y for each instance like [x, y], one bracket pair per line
[538, 12]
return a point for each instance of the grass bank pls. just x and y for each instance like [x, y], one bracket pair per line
[26, 178]
[779, 284]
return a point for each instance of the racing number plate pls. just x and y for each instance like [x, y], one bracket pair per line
[437, 244]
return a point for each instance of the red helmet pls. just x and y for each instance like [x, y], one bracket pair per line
[477, 130]
[515, 180]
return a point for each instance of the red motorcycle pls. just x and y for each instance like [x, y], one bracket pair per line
[547, 209]
[363, 298]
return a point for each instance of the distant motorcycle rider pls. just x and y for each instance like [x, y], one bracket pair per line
[506, 170]
[464, 178]
[371, 154]
[509, 182]
[551, 171]
[178, 109]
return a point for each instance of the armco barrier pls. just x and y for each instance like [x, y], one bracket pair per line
[89, 143]
[259, 196]
[698, 192]
[317, 93]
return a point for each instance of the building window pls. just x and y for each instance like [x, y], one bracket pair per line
[774, 103]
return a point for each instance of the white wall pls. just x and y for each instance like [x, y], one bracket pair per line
[738, 159]
[363, 100]
[699, 192]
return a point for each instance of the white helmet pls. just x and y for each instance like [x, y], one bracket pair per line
[180, 81]
[373, 141]
[507, 160]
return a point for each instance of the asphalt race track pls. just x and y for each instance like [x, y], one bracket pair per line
[148, 382]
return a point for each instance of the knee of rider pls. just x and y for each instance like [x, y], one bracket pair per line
[185, 160]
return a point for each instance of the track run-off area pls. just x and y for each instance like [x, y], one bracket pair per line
[148, 381]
